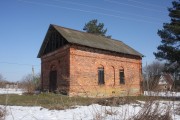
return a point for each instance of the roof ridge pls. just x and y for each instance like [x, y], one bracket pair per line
[90, 40]
[87, 33]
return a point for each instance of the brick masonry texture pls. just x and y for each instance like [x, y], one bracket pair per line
[77, 68]
[57, 60]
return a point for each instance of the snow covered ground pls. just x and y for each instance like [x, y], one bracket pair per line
[11, 91]
[80, 113]
[91, 112]
[165, 94]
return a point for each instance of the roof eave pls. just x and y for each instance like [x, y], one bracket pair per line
[108, 50]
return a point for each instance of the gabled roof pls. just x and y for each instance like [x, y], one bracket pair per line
[168, 78]
[165, 78]
[91, 40]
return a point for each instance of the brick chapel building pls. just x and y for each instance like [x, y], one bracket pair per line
[79, 63]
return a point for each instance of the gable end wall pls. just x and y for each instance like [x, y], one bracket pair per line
[60, 60]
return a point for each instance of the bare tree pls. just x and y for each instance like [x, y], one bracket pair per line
[1, 77]
[30, 83]
[155, 68]
[151, 72]
[2, 81]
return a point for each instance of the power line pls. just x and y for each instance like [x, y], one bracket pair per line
[120, 3]
[153, 5]
[87, 11]
[107, 9]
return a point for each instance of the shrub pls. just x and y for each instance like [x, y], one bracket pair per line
[152, 110]
[30, 83]
[2, 113]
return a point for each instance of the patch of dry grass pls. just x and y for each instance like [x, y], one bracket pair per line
[152, 110]
[47, 100]
[177, 110]
[114, 101]
[2, 113]
[58, 101]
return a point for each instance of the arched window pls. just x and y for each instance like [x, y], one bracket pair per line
[101, 75]
[121, 76]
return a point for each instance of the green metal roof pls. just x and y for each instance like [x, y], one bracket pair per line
[93, 41]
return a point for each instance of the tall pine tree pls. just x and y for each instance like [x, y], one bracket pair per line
[95, 28]
[169, 49]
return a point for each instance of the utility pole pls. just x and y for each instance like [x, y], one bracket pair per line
[34, 81]
[147, 77]
[33, 74]
[33, 71]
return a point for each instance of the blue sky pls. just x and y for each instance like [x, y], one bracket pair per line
[24, 23]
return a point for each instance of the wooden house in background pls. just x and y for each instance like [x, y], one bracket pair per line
[164, 82]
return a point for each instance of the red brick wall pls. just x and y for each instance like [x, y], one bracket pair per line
[77, 69]
[84, 63]
[57, 60]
